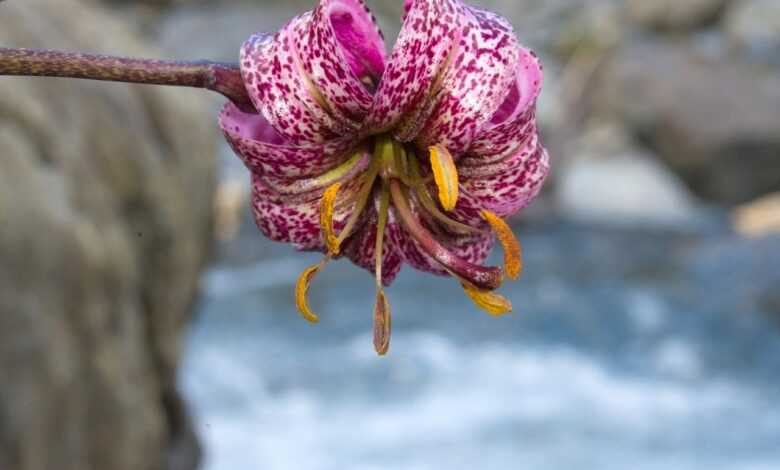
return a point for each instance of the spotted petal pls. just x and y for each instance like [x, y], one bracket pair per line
[420, 55]
[506, 165]
[296, 218]
[477, 81]
[266, 152]
[343, 55]
[279, 90]
[504, 187]
[509, 127]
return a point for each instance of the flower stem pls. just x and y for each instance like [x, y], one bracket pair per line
[223, 78]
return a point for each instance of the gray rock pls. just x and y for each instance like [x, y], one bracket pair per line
[753, 28]
[716, 123]
[611, 181]
[675, 14]
[105, 224]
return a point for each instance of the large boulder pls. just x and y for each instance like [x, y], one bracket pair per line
[716, 123]
[105, 224]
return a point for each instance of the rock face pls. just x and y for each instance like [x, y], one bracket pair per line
[716, 123]
[105, 224]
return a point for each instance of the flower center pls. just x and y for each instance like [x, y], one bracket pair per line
[397, 179]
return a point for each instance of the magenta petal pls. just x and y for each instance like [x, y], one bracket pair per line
[505, 187]
[279, 89]
[481, 74]
[473, 248]
[288, 222]
[360, 39]
[429, 31]
[296, 218]
[266, 152]
[509, 126]
[342, 53]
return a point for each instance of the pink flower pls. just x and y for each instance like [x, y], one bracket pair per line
[413, 158]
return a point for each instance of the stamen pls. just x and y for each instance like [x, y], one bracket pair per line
[382, 319]
[513, 263]
[446, 176]
[480, 276]
[382, 324]
[302, 288]
[492, 303]
[361, 201]
[331, 176]
[327, 204]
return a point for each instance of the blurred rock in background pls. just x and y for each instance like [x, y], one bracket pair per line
[716, 123]
[105, 223]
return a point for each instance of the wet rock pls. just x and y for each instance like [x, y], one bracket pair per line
[675, 14]
[715, 123]
[753, 28]
[105, 224]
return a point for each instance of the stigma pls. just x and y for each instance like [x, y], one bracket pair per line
[414, 185]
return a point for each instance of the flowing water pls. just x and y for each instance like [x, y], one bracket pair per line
[629, 349]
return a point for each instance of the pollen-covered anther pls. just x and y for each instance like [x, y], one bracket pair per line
[513, 263]
[327, 207]
[445, 174]
[487, 300]
[382, 324]
[302, 289]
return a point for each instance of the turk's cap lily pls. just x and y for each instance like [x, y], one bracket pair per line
[415, 157]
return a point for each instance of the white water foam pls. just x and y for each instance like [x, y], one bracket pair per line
[490, 406]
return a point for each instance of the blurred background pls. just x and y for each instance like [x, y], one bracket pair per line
[145, 323]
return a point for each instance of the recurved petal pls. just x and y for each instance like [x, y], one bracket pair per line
[266, 152]
[343, 54]
[481, 72]
[296, 219]
[279, 89]
[361, 247]
[504, 187]
[513, 122]
[429, 31]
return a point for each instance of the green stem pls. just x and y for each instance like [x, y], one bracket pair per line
[216, 76]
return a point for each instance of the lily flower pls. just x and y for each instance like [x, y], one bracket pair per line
[413, 158]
